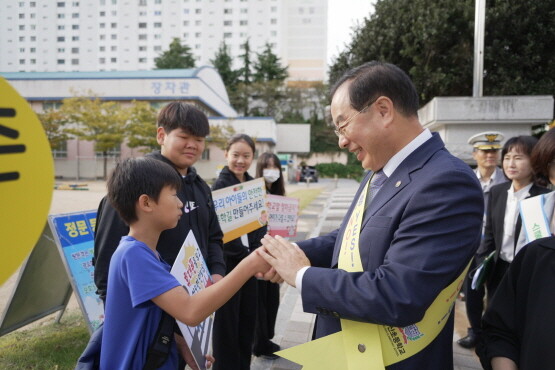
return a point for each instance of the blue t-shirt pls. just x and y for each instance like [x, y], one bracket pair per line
[131, 319]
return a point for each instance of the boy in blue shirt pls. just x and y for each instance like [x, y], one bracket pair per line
[140, 286]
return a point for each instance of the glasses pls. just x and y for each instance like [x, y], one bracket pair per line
[340, 131]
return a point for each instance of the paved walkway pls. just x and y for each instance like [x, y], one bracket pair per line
[294, 326]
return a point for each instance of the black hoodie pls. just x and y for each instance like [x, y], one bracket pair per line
[198, 215]
[234, 250]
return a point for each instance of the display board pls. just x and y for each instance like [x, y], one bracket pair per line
[74, 235]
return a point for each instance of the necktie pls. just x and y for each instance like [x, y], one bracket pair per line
[376, 182]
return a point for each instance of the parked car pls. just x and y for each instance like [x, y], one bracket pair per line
[308, 173]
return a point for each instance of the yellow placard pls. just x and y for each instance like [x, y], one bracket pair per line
[26, 179]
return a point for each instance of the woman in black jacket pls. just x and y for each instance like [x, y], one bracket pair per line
[268, 166]
[234, 323]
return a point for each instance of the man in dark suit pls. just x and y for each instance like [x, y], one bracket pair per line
[419, 230]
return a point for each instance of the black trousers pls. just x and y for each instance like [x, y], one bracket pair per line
[474, 300]
[233, 334]
[268, 303]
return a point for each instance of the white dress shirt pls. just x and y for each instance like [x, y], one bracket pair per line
[508, 249]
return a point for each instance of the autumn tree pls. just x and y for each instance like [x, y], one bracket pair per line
[94, 120]
[141, 127]
[54, 124]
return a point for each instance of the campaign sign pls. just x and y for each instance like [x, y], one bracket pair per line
[241, 208]
[191, 271]
[74, 234]
[283, 215]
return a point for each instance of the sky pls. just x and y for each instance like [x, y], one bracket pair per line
[342, 16]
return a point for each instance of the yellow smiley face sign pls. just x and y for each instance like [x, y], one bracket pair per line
[26, 179]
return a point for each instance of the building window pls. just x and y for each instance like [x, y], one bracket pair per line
[102, 48]
[114, 37]
[111, 153]
[21, 50]
[114, 25]
[227, 35]
[21, 27]
[244, 10]
[228, 23]
[185, 35]
[185, 23]
[102, 14]
[33, 50]
[75, 38]
[198, 11]
[33, 15]
[61, 50]
[113, 60]
[21, 15]
[157, 36]
[198, 23]
[113, 48]
[198, 34]
[21, 38]
[158, 48]
[103, 37]
[33, 61]
[21, 61]
[61, 61]
[142, 48]
[75, 15]
[74, 50]
[102, 60]
[60, 151]
[61, 27]
[142, 37]
[142, 2]
[61, 38]
[273, 33]
[61, 16]
[75, 27]
[75, 62]
[61, 4]
[157, 25]
[33, 4]
[142, 25]
[273, 9]
[142, 60]
[33, 38]
[102, 25]
[228, 11]
[273, 21]
[243, 23]
[205, 155]
[157, 12]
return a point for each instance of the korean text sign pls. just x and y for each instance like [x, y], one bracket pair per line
[283, 215]
[74, 234]
[191, 271]
[241, 208]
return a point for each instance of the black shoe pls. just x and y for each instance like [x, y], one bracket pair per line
[468, 342]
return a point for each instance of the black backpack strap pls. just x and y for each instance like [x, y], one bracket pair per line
[159, 349]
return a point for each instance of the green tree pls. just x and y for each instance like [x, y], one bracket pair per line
[98, 121]
[177, 57]
[246, 70]
[240, 95]
[141, 127]
[224, 64]
[54, 124]
[267, 66]
[433, 41]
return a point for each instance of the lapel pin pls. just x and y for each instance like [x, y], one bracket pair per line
[397, 184]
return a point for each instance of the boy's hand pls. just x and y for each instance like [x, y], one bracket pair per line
[257, 264]
[285, 257]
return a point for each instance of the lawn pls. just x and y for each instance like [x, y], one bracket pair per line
[48, 346]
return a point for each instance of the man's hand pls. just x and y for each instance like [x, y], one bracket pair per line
[286, 258]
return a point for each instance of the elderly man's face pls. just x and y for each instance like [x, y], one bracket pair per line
[363, 134]
[486, 159]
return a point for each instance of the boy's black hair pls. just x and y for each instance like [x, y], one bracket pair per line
[187, 117]
[134, 177]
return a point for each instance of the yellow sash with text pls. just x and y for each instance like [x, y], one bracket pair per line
[372, 346]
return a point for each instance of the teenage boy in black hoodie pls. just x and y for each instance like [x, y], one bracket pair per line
[181, 133]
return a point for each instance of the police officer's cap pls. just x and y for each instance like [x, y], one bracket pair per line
[487, 140]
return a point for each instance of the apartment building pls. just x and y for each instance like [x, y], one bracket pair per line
[127, 35]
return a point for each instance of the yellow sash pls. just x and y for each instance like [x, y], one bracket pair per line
[372, 346]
